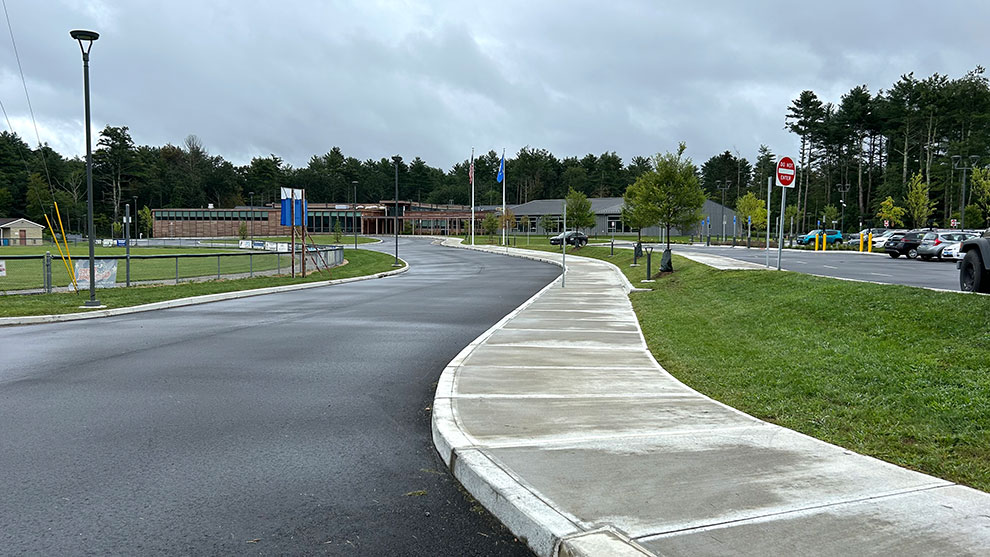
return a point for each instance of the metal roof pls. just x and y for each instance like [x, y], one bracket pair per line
[4, 222]
[599, 206]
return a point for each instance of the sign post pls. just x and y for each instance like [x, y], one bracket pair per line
[785, 179]
[766, 251]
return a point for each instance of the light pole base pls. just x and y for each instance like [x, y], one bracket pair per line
[92, 304]
[396, 264]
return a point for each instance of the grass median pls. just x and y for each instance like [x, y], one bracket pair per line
[359, 263]
[894, 372]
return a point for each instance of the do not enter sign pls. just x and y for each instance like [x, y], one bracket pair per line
[785, 172]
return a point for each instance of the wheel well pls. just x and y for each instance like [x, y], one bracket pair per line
[982, 248]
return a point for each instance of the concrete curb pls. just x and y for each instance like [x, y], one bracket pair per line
[182, 302]
[546, 530]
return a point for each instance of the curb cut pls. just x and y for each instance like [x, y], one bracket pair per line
[182, 302]
[546, 530]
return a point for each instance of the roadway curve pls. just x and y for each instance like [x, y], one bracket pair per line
[293, 423]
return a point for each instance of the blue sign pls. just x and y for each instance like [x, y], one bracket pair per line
[733, 220]
[749, 220]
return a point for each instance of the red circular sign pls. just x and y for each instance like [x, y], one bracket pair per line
[785, 172]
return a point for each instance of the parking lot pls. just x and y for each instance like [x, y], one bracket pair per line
[875, 267]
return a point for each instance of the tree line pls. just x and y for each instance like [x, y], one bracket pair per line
[188, 176]
[899, 154]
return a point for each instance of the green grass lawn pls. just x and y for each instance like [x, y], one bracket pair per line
[360, 263]
[898, 373]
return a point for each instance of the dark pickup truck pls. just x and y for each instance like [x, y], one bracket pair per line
[974, 269]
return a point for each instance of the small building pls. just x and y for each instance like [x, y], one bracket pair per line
[20, 232]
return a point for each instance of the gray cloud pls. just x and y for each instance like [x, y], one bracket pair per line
[434, 79]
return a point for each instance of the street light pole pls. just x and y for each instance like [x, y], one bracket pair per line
[723, 187]
[251, 253]
[843, 189]
[973, 160]
[354, 221]
[81, 35]
[395, 217]
[251, 197]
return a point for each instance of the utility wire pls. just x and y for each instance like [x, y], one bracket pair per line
[20, 69]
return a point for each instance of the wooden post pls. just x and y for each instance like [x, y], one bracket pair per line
[303, 219]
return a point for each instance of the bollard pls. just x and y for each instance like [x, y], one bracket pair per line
[649, 262]
[861, 243]
[176, 270]
[46, 270]
[612, 249]
[218, 267]
[869, 245]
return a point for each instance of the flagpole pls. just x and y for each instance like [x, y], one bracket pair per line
[472, 195]
[505, 178]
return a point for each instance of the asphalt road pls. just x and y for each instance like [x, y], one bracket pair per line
[847, 264]
[286, 424]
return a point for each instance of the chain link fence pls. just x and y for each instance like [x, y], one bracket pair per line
[35, 274]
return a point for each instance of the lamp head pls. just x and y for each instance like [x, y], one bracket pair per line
[84, 35]
[955, 159]
[974, 159]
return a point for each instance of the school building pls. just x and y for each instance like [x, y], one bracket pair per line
[413, 218]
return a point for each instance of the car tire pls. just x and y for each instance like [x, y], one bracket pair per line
[893, 254]
[912, 253]
[972, 276]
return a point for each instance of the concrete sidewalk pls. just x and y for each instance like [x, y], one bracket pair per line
[561, 423]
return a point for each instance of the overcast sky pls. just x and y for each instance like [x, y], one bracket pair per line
[434, 79]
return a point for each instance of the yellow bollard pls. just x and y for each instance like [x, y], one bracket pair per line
[824, 241]
[816, 242]
[869, 245]
[861, 243]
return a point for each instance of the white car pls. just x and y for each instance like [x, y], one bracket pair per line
[951, 251]
[880, 239]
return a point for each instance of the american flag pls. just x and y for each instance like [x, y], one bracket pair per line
[471, 171]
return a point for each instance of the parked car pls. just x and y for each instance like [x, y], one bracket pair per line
[934, 242]
[952, 251]
[865, 234]
[831, 237]
[974, 269]
[880, 239]
[574, 238]
[904, 244]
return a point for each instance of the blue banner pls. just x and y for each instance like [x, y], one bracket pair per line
[287, 212]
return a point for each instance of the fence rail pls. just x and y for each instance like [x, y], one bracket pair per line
[35, 274]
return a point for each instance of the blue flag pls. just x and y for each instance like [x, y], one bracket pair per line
[501, 170]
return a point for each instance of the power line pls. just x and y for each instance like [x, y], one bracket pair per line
[20, 69]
